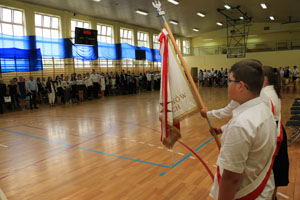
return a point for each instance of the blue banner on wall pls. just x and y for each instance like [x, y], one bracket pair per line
[63, 48]
[20, 60]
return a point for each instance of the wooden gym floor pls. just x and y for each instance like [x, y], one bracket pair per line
[110, 149]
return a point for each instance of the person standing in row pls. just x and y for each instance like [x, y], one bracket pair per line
[95, 79]
[22, 92]
[50, 86]
[32, 89]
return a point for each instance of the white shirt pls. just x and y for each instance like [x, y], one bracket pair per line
[88, 82]
[281, 72]
[95, 78]
[296, 72]
[148, 75]
[102, 82]
[248, 144]
[223, 112]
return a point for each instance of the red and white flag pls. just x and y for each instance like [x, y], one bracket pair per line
[176, 97]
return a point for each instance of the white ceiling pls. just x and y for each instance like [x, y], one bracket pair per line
[185, 13]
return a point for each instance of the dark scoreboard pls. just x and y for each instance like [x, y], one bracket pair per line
[85, 36]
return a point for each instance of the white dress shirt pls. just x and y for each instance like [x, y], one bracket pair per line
[248, 144]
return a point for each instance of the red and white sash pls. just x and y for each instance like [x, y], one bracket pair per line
[259, 184]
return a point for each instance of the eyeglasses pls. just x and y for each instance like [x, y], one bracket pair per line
[236, 81]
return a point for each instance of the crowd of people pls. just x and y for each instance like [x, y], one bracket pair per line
[76, 88]
[219, 78]
[80, 87]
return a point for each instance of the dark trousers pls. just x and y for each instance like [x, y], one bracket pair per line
[1, 105]
[32, 99]
[96, 88]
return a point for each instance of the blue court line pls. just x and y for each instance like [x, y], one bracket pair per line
[191, 153]
[36, 137]
[108, 154]
[100, 152]
[162, 174]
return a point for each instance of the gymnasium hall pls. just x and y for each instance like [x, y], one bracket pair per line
[80, 88]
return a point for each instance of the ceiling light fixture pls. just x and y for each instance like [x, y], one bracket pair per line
[141, 12]
[200, 14]
[272, 18]
[219, 24]
[97, 0]
[195, 29]
[241, 18]
[263, 5]
[173, 2]
[227, 7]
[173, 22]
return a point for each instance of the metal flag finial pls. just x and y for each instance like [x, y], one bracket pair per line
[156, 4]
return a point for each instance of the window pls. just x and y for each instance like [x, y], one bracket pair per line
[11, 22]
[186, 46]
[105, 33]
[47, 26]
[157, 66]
[178, 44]
[126, 36]
[143, 39]
[81, 24]
[82, 64]
[105, 63]
[127, 63]
[156, 43]
[48, 63]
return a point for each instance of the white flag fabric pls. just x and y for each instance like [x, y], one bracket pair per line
[176, 97]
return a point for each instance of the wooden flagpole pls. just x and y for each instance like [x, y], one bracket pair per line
[186, 69]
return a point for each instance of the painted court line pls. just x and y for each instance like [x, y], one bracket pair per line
[56, 142]
[36, 137]
[2, 145]
[162, 174]
[108, 154]
[180, 161]
[91, 150]
[283, 195]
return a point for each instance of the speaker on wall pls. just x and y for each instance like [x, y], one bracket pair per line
[140, 54]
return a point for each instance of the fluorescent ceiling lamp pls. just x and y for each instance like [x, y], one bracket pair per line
[173, 22]
[208, 39]
[263, 5]
[200, 14]
[219, 24]
[97, 0]
[141, 12]
[173, 2]
[272, 18]
[227, 7]
[241, 18]
[195, 29]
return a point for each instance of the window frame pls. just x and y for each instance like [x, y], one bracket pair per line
[99, 35]
[127, 39]
[12, 23]
[58, 29]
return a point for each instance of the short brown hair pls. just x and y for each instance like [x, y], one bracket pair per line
[251, 73]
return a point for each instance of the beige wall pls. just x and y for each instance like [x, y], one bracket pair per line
[274, 59]
[277, 32]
